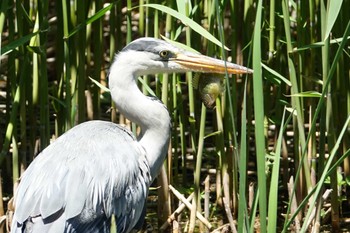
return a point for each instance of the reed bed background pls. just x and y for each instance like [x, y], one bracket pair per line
[272, 156]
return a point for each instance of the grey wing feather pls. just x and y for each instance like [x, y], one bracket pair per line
[97, 168]
[75, 191]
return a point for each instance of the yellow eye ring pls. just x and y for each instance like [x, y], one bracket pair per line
[164, 53]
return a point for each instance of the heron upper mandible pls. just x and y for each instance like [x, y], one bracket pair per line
[98, 169]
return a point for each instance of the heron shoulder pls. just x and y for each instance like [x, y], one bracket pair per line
[70, 174]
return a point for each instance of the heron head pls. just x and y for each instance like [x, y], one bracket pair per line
[151, 56]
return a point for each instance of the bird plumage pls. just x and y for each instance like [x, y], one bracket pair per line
[98, 169]
[87, 183]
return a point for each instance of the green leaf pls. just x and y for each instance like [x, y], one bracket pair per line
[347, 179]
[55, 99]
[15, 44]
[319, 44]
[181, 6]
[259, 116]
[35, 49]
[179, 45]
[90, 20]
[332, 14]
[313, 94]
[142, 81]
[99, 85]
[212, 134]
[276, 74]
[187, 21]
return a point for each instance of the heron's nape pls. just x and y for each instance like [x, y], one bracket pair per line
[98, 169]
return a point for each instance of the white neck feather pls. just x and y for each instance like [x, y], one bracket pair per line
[150, 114]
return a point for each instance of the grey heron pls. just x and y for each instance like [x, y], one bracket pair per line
[98, 169]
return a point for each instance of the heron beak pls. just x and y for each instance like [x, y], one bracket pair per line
[201, 63]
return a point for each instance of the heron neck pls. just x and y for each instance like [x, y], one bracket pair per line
[147, 112]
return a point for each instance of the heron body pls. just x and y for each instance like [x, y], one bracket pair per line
[99, 169]
[81, 187]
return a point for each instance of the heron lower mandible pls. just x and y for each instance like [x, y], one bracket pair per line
[98, 169]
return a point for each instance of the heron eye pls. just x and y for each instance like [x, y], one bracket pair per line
[164, 53]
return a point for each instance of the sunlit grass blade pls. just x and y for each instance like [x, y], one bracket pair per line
[99, 85]
[3, 9]
[319, 44]
[307, 94]
[243, 225]
[13, 116]
[298, 122]
[321, 101]
[274, 181]
[324, 174]
[81, 60]
[187, 21]
[259, 118]
[90, 20]
[276, 74]
[6, 49]
[332, 14]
